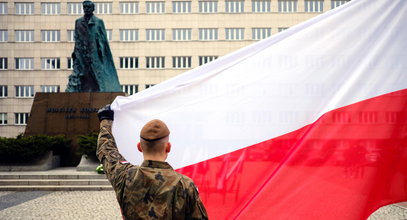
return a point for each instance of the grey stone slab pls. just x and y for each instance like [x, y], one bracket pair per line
[92, 176]
[13, 182]
[34, 176]
[67, 205]
[10, 176]
[99, 182]
[17, 198]
[62, 176]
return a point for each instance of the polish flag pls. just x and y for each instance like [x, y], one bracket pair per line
[308, 124]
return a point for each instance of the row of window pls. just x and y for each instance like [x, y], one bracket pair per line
[363, 117]
[27, 91]
[54, 63]
[207, 6]
[19, 118]
[178, 34]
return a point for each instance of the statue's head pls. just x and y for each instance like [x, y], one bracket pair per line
[88, 7]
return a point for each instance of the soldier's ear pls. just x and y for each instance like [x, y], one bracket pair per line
[139, 147]
[168, 147]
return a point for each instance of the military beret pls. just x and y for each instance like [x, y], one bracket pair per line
[154, 130]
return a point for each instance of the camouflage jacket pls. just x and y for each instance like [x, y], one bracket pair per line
[150, 191]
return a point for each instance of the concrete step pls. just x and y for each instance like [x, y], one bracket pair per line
[60, 179]
[51, 176]
[55, 188]
[55, 182]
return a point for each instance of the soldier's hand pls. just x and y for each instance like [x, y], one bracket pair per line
[105, 113]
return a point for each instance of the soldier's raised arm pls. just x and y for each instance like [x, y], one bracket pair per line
[106, 150]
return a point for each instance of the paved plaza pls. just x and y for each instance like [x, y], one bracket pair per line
[98, 205]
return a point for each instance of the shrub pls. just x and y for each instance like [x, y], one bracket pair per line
[30, 148]
[87, 144]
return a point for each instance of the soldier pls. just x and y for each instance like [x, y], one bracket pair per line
[152, 190]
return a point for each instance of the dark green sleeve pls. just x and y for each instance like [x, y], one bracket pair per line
[109, 156]
[195, 208]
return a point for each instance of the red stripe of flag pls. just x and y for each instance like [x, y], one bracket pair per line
[351, 161]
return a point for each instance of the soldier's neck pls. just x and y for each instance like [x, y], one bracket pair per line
[155, 157]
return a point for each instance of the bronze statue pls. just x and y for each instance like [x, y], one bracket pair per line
[93, 65]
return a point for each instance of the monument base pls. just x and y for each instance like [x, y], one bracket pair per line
[69, 114]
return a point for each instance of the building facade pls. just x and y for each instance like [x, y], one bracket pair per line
[151, 41]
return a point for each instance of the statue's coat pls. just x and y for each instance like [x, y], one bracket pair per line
[93, 69]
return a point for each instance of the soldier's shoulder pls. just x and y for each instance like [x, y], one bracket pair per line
[186, 181]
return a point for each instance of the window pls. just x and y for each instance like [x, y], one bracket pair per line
[24, 36]
[129, 62]
[149, 85]
[181, 7]
[3, 35]
[24, 91]
[24, 8]
[234, 6]
[234, 33]
[3, 63]
[130, 89]
[155, 34]
[75, 8]
[128, 7]
[103, 7]
[314, 5]
[208, 33]
[3, 91]
[21, 118]
[260, 33]
[70, 35]
[50, 89]
[50, 35]
[208, 6]
[109, 34]
[282, 29]
[3, 118]
[181, 62]
[24, 63]
[155, 7]
[128, 35]
[69, 63]
[3, 8]
[261, 5]
[336, 3]
[50, 64]
[50, 8]
[287, 5]
[181, 34]
[206, 59]
[155, 62]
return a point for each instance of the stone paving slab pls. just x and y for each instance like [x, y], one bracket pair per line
[66, 205]
[58, 173]
[101, 205]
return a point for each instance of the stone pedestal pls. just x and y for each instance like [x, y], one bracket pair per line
[69, 114]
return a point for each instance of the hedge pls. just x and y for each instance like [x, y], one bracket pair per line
[28, 149]
[87, 144]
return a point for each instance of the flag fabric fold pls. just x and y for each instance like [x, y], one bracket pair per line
[310, 123]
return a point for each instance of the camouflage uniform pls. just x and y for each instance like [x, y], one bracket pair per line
[150, 191]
